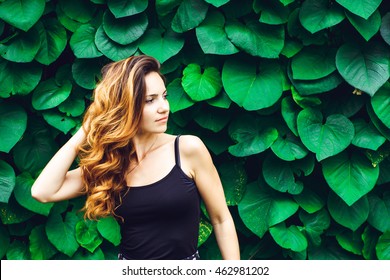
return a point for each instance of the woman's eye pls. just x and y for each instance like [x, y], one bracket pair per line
[149, 100]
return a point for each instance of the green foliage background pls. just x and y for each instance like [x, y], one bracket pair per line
[291, 97]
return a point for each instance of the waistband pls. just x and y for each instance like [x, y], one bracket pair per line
[194, 256]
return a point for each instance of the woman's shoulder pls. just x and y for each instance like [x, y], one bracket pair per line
[191, 144]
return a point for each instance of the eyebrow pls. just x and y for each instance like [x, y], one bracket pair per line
[155, 94]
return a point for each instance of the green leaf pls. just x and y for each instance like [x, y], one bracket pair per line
[381, 104]
[252, 85]
[363, 8]
[178, 99]
[125, 30]
[161, 46]
[124, 8]
[205, 230]
[384, 172]
[87, 235]
[13, 123]
[83, 254]
[18, 251]
[222, 100]
[316, 15]
[256, 38]
[36, 148]
[201, 84]
[288, 147]
[379, 216]
[214, 119]
[251, 136]
[53, 41]
[82, 42]
[351, 217]
[383, 246]
[7, 181]
[62, 234]
[366, 68]
[262, 208]
[234, 180]
[314, 225]
[13, 213]
[217, 3]
[112, 49]
[165, 7]
[48, 94]
[291, 48]
[189, 15]
[22, 14]
[4, 241]
[350, 241]
[73, 106]
[309, 201]
[385, 28]
[86, 72]
[290, 112]
[377, 122]
[308, 58]
[350, 176]
[366, 135]
[59, 121]
[40, 247]
[366, 27]
[109, 228]
[22, 47]
[370, 238]
[271, 12]
[80, 11]
[18, 78]
[212, 37]
[325, 140]
[66, 21]
[23, 196]
[289, 238]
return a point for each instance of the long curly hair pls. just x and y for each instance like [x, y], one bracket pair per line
[110, 123]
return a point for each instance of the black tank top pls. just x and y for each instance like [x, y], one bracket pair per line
[161, 220]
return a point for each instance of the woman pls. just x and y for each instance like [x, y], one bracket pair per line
[131, 169]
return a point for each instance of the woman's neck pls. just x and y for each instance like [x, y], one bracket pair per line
[144, 144]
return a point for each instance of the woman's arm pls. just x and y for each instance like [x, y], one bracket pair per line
[56, 182]
[200, 166]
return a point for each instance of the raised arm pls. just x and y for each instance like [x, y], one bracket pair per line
[199, 163]
[56, 182]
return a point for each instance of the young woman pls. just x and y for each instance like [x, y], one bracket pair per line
[152, 182]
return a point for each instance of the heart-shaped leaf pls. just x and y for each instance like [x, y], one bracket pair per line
[161, 46]
[83, 254]
[381, 104]
[351, 217]
[109, 228]
[178, 99]
[205, 230]
[214, 119]
[385, 28]
[316, 15]
[201, 85]
[314, 225]
[363, 8]
[40, 247]
[7, 181]
[256, 38]
[62, 234]
[59, 121]
[80, 11]
[271, 12]
[48, 94]
[350, 241]
[290, 112]
[13, 213]
[288, 147]
[366, 135]
[82, 42]
[383, 246]
[308, 58]
[4, 241]
[217, 3]
[87, 235]
[325, 140]
[379, 216]
[125, 30]
[262, 207]
[252, 136]
[289, 238]
[309, 201]
[22, 14]
[18, 78]
[366, 27]
[13, 123]
[365, 68]
[189, 15]
[370, 238]
[234, 180]
[212, 37]
[250, 85]
[86, 72]
[53, 41]
[22, 47]
[112, 49]
[75, 105]
[350, 177]
[23, 196]
[124, 8]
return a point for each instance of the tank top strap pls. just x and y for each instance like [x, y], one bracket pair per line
[177, 152]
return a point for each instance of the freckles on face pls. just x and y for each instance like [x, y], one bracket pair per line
[156, 108]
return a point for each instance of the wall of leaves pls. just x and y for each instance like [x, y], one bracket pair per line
[291, 97]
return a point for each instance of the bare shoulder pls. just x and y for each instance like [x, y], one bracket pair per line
[191, 145]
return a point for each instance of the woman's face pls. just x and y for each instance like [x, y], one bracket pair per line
[156, 110]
